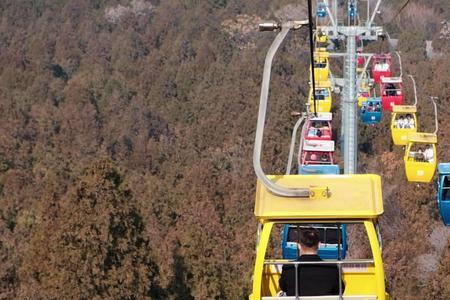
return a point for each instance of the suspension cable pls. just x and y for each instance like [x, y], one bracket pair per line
[415, 89]
[311, 50]
[433, 99]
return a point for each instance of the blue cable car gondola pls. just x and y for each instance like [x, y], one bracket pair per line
[352, 11]
[371, 111]
[443, 196]
[331, 235]
[318, 169]
[321, 10]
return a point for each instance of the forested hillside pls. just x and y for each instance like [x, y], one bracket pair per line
[126, 139]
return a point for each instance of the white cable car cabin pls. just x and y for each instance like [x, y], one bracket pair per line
[338, 199]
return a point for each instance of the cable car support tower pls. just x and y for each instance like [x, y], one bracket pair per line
[350, 30]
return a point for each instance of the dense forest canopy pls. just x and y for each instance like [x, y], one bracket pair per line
[126, 136]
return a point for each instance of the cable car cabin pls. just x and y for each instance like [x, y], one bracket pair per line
[321, 10]
[371, 111]
[318, 169]
[321, 66]
[322, 39]
[420, 157]
[364, 89]
[333, 241]
[360, 60]
[391, 89]
[362, 97]
[317, 152]
[319, 128]
[403, 122]
[381, 66]
[323, 97]
[353, 200]
[443, 196]
[352, 11]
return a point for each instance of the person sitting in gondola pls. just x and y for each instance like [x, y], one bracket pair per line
[378, 107]
[391, 90]
[419, 156]
[324, 158]
[312, 130]
[325, 126]
[370, 108]
[428, 154]
[446, 190]
[313, 280]
[363, 109]
[400, 122]
[318, 132]
[382, 66]
[409, 122]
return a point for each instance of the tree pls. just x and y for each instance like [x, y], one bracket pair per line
[91, 244]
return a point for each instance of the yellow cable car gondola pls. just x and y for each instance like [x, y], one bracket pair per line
[321, 65]
[323, 97]
[404, 120]
[364, 88]
[363, 95]
[420, 157]
[329, 202]
[321, 39]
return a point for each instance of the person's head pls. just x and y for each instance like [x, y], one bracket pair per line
[427, 147]
[420, 149]
[313, 124]
[324, 157]
[313, 156]
[408, 116]
[309, 240]
[401, 118]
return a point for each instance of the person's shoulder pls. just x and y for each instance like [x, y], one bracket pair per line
[289, 267]
[309, 257]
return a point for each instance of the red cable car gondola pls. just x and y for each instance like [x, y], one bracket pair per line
[391, 89]
[381, 66]
[317, 152]
[319, 128]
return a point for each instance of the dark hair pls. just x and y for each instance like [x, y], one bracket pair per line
[309, 237]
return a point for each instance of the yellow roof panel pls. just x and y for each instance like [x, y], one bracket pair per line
[404, 109]
[349, 197]
[422, 137]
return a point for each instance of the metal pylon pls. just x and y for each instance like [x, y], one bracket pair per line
[350, 123]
